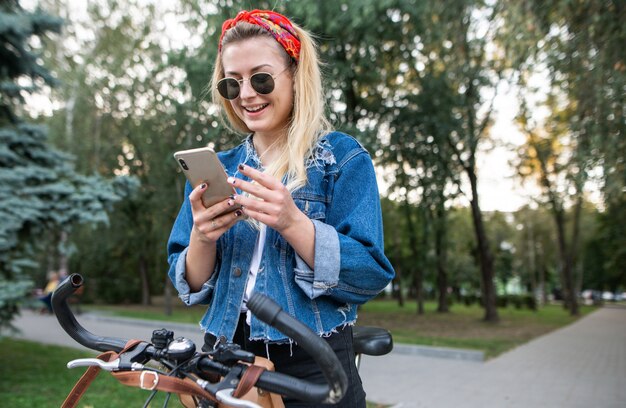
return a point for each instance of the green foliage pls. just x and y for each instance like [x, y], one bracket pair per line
[41, 195]
[517, 301]
[137, 111]
[579, 46]
[605, 252]
[19, 58]
[411, 79]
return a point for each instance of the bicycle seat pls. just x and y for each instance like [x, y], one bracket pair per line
[372, 341]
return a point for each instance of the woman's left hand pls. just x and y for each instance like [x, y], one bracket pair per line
[269, 202]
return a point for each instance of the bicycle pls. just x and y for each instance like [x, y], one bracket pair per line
[224, 377]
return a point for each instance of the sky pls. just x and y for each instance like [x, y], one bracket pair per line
[498, 186]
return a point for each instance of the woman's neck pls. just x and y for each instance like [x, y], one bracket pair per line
[268, 148]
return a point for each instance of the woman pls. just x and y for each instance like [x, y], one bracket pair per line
[313, 238]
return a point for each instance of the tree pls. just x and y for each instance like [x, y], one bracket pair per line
[41, 195]
[422, 102]
[397, 248]
[605, 252]
[580, 47]
[550, 161]
[464, 264]
[535, 248]
[135, 107]
[500, 228]
[458, 47]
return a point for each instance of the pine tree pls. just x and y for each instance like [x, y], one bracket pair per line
[41, 195]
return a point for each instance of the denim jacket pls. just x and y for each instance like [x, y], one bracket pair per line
[341, 198]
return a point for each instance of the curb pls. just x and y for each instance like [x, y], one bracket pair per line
[439, 352]
[398, 348]
[130, 321]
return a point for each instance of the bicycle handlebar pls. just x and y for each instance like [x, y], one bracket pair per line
[271, 313]
[71, 326]
[263, 308]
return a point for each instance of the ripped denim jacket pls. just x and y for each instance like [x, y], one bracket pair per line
[341, 198]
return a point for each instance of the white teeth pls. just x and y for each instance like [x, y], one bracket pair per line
[256, 109]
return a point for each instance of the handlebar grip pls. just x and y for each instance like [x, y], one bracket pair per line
[71, 326]
[268, 311]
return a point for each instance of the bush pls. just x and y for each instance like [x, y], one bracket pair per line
[502, 301]
[518, 301]
[530, 302]
[469, 300]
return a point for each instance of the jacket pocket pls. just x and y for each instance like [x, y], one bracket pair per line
[314, 209]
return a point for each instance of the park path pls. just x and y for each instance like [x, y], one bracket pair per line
[581, 365]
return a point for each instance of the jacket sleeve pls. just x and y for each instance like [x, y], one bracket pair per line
[350, 263]
[177, 245]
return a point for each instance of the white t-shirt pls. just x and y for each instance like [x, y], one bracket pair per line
[254, 269]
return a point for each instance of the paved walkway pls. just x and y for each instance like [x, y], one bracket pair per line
[581, 365]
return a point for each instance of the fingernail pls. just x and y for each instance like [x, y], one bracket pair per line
[238, 213]
[231, 180]
[232, 196]
[241, 167]
[203, 185]
[230, 202]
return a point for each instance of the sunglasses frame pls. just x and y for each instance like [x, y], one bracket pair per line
[249, 79]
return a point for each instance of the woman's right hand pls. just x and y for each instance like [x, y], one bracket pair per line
[210, 223]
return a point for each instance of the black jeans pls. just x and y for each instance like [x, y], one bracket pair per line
[293, 360]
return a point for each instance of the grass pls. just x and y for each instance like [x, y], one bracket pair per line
[35, 375]
[180, 314]
[463, 327]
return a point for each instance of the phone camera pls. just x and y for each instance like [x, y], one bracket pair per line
[183, 164]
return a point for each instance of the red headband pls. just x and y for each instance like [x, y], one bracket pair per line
[276, 24]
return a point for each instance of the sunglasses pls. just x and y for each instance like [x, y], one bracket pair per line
[261, 82]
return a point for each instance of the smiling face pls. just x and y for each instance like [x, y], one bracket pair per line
[267, 115]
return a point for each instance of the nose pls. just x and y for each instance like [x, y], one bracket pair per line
[246, 90]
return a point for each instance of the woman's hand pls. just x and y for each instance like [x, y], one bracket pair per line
[270, 203]
[210, 223]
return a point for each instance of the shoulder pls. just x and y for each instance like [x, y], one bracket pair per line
[340, 140]
[343, 146]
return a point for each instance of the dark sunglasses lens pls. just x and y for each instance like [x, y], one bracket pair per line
[228, 88]
[262, 83]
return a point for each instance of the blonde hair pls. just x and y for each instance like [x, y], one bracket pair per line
[308, 121]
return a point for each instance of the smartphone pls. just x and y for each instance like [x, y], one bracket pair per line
[203, 166]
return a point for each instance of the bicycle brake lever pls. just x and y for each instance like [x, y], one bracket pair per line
[105, 365]
[226, 396]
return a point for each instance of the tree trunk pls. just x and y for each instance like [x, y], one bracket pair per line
[419, 291]
[484, 254]
[397, 280]
[167, 295]
[532, 261]
[573, 251]
[566, 264]
[417, 276]
[64, 269]
[145, 282]
[441, 254]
